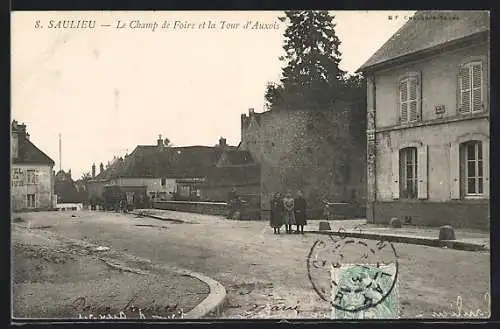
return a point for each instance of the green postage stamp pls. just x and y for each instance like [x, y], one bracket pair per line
[361, 291]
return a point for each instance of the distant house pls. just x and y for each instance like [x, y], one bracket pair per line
[234, 169]
[166, 172]
[428, 122]
[32, 180]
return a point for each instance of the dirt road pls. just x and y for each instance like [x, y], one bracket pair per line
[265, 275]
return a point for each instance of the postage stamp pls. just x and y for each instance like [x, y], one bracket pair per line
[364, 291]
[358, 278]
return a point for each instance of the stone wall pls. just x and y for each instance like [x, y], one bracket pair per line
[322, 153]
[208, 208]
[472, 214]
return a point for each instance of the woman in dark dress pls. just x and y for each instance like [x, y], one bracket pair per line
[300, 212]
[276, 213]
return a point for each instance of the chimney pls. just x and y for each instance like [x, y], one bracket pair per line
[93, 170]
[27, 136]
[251, 111]
[101, 168]
[222, 142]
[159, 142]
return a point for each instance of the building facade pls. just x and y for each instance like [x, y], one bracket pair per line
[32, 176]
[428, 122]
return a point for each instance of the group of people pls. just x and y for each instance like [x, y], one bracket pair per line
[288, 211]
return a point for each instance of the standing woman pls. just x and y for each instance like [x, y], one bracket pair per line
[288, 214]
[276, 213]
[300, 212]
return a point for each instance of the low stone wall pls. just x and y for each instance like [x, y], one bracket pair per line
[209, 208]
[337, 211]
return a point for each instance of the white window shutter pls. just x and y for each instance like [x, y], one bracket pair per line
[477, 85]
[413, 99]
[454, 171]
[422, 172]
[395, 174]
[464, 87]
[486, 169]
[403, 101]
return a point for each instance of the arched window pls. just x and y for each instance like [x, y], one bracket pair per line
[408, 173]
[471, 168]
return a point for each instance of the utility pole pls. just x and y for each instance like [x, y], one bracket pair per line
[60, 153]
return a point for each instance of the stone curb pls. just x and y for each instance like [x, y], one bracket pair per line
[137, 213]
[419, 240]
[213, 303]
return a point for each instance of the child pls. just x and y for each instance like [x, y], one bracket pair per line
[276, 213]
[300, 212]
[288, 214]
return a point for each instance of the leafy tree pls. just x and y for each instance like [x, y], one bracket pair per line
[312, 77]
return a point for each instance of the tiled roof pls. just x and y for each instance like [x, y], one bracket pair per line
[428, 29]
[171, 162]
[28, 153]
[236, 158]
[234, 176]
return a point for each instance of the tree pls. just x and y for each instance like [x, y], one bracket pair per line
[86, 177]
[312, 77]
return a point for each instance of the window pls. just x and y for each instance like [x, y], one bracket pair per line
[17, 177]
[409, 99]
[408, 173]
[30, 201]
[31, 176]
[470, 86]
[471, 171]
[163, 181]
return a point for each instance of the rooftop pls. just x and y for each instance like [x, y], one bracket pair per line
[429, 29]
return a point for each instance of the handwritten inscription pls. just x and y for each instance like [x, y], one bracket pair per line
[130, 310]
[457, 310]
[257, 308]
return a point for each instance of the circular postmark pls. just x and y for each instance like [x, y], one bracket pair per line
[352, 274]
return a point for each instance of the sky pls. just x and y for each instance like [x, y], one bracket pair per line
[107, 89]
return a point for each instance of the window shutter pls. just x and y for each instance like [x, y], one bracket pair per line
[403, 98]
[422, 174]
[454, 171]
[413, 100]
[464, 87]
[419, 96]
[395, 174]
[477, 85]
[486, 169]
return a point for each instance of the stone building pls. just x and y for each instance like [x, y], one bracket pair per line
[428, 122]
[32, 180]
[321, 152]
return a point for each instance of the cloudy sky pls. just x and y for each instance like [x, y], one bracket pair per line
[108, 89]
